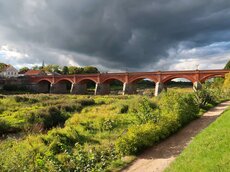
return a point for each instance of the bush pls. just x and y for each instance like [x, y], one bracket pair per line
[107, 124]
[58, 140]
[176, 110]
[203, 97]
[77, 107]
[19, 99]
[123, 109]
[226, 84]
[4, 127]
[145, 111]
[53, 117]
[86, 102]
[182, 107]
[46, 118]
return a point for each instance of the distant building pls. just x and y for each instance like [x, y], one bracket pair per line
[9, 71]
[34, 73]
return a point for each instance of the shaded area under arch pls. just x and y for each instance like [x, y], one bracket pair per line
[84, 87]
[44, 86]
[62, 87]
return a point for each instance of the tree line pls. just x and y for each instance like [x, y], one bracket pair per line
[65, 70]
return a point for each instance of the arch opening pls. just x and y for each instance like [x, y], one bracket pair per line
[214, 81]
[114, 86]
[144, 86]
[87, 87]
[62, 87]
[179, 84]
[44, 86]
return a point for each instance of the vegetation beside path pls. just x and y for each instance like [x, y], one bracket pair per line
[209, 151]
[92, 133]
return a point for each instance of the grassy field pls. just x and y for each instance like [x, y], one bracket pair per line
[85, 133]
[209, 151]
[42, 132]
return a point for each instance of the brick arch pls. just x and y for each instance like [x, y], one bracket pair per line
[64, 79]
[204, 78]
[112, 79]
[136, 78]
[171, 77]
[87, 79]
[44, 79]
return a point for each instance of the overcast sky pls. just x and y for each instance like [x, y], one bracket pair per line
[116, 35]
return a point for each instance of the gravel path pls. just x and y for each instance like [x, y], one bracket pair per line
[157, 158]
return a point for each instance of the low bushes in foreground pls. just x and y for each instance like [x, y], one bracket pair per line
[175, 111]
[97, 137]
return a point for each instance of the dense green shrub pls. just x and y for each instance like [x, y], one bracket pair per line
[182, 107]
[176, 110]
[4, 127]
[46, 118]
[52, 117]
[58, 140]
[145, 111]
[107, 124]
[25, 99]
[123, 108]
[203, 97]
[86, 102]
[72, 107]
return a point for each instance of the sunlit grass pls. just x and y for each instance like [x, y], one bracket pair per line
[209, 151]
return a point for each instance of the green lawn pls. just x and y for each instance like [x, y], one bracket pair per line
[209, 151]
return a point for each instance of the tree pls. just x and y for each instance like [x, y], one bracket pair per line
[90, 69]
[65, 70]
[227, 66]
[23, 69]
[75, 70]
[226, 84]
[35, 67]
[52, 68]
[79, 70]
[2, 66]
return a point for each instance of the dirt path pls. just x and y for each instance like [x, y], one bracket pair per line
[157, 158]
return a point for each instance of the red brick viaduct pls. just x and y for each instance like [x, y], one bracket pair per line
[77, 83]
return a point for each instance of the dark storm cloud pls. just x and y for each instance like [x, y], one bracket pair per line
[113, 33]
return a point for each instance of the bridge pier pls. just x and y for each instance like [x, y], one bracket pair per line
[129, 89]
[102, 89]
[78, 89]
[159, 88]
[197, 86]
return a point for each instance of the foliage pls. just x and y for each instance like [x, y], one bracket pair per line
[65, 70]
[176, 110]
[227, 66]
[52, 68]
[182, 107]
[23, 69]
[75, 70]
[2, 66]
[124, 108]
[90, 69]
[25, 99]
[203, 97]
[145, 111]
[86, 133]
[226, 84]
